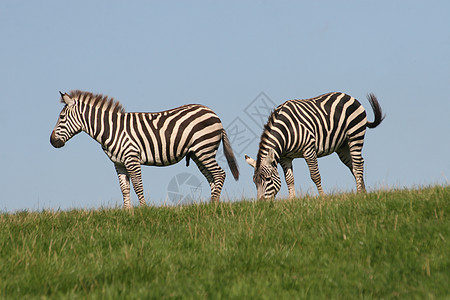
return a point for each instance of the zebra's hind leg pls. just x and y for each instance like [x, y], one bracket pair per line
[213, 173]
[124, 181]
[350, 155]
[133, 168]
[286, 164]
[311, 160]
[358, 169]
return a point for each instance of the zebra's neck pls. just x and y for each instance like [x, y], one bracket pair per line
[99, 123]
[263, 151]
[270, 138]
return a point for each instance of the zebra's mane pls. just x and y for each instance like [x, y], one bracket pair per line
[98, 101]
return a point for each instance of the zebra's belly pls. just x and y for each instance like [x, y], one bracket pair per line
[292, 155]
[330, 149]
[326, 153]
[159, 161]
[321, 150]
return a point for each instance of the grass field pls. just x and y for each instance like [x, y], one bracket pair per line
[385, 244]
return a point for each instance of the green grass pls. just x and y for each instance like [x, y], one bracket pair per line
[385, 244]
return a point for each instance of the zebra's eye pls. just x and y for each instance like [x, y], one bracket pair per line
[61, 116]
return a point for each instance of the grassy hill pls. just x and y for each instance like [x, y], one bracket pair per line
[385, 244]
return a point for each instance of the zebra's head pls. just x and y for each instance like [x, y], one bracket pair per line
[69, 122]
[266, 177]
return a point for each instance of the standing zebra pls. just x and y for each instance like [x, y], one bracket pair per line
[156, 139]
[312, 128]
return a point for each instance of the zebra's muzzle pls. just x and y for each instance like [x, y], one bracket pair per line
[56, 142]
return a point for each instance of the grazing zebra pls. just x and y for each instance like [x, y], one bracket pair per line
[156, 139]
[312, 128]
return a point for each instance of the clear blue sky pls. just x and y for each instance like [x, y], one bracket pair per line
[153, 56]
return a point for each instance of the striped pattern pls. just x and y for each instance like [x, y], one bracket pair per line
[155, 139]
[312, 128]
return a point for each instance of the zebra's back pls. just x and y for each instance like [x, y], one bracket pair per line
[164, 138]
[327, 121]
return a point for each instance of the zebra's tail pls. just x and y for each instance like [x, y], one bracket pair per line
[229, 155]
[376, 110]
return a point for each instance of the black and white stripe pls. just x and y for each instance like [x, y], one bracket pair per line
[156, 139]
[312, 128]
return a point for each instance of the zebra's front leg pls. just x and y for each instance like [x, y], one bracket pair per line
[133, 168]
[124, 182]
[311, 161]
[286, 164]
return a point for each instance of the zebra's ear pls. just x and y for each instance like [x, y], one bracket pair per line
[67, 99]
[250, 161]
[270, 158]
